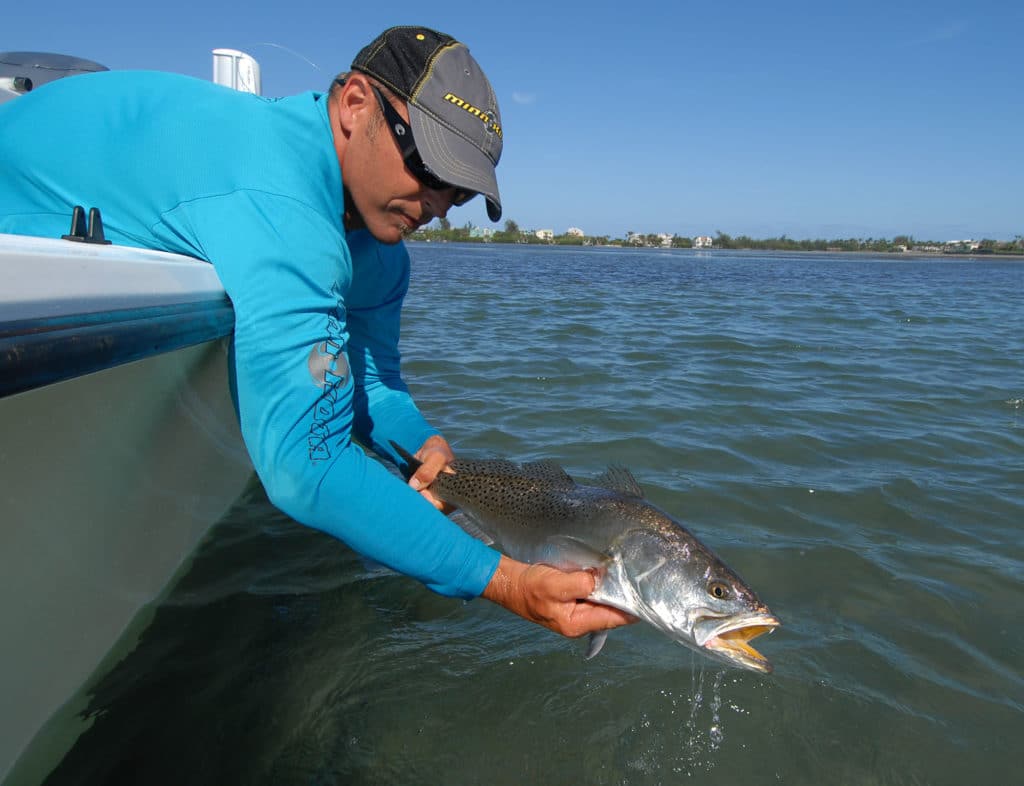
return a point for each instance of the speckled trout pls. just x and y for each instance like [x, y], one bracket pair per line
[648, 564]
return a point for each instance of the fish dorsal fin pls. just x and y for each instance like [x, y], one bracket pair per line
[549, 471]
[621, 480]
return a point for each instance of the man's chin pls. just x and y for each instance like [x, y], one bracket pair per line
[396, 232]
[392, 235]
[389, 233]
[387, 227]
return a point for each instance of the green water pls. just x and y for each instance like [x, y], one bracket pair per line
[846, 432]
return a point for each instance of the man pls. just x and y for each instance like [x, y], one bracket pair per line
[301, 205]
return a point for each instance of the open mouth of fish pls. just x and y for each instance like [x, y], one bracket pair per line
[732, 638]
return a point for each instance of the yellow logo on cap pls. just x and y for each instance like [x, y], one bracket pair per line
[488, 121]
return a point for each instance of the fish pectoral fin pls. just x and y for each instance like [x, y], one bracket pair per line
[595, 644]
[470, 527]
[573, 554]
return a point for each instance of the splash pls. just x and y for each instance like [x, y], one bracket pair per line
[691, 748]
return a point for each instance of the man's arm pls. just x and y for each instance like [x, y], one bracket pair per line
[384, 409]
[287, 279]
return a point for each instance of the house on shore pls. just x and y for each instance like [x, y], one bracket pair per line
[962, 245]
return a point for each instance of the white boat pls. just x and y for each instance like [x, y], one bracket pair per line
[120, 447]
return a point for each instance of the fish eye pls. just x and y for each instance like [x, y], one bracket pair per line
[720, 590]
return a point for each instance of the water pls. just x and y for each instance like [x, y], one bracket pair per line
[848, 434]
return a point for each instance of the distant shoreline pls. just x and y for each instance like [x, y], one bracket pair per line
[950, 255]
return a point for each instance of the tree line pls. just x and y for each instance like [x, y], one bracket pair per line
[442, 231]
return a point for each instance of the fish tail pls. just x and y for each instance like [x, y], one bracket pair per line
[411, 462]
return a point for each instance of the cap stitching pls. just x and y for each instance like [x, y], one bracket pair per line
[455, 164]
[414, 94]
[462, 171]
[445, 41]
[481, 145]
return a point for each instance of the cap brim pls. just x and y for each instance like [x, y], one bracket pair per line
[454, 159]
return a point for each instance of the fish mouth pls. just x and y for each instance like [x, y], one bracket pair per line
[730, 638]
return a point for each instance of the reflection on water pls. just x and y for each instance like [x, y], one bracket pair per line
[845, 432]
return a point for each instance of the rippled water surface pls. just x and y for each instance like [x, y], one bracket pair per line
[848, 434]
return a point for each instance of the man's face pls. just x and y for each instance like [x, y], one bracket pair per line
[387, 197]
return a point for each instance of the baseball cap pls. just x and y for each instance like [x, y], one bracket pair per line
[453, 112]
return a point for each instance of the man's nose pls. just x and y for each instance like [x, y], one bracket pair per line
[438, 203]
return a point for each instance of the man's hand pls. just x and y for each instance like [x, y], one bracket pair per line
[553, 598]
[436, 454]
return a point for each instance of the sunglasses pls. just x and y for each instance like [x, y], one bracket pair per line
[410, 155]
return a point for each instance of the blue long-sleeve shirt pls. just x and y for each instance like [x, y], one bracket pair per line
[253, 185]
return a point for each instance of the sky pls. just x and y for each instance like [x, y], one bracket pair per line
[807, 119]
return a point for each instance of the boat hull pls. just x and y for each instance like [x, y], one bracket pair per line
[110, 477]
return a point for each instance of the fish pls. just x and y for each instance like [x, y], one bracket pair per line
[645, 562]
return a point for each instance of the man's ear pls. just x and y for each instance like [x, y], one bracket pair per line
[355, 101]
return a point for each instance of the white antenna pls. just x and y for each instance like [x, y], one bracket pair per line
[237, 70]
[289, 51]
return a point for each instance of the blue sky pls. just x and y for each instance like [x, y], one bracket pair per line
[810, 119]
